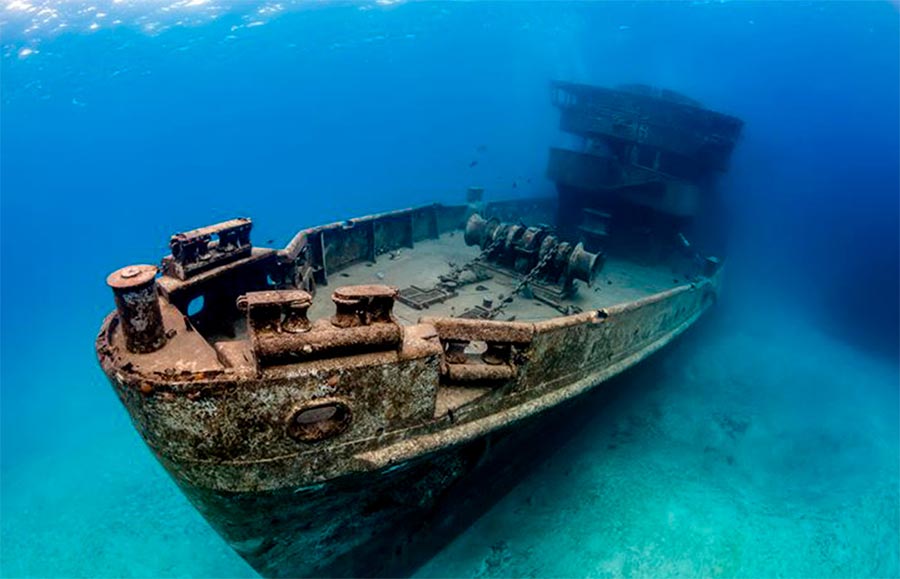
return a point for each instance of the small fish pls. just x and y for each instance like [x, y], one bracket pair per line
[515, 185]
[481, 148]
[270, 241]
[472, 164]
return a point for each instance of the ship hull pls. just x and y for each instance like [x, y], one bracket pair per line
[389, 522]
[399, 503]
[419, 439]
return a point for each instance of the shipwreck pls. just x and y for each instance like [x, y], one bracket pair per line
[329, 405]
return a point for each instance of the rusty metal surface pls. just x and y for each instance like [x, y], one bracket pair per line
[606, 176]
[140, 317]
[364, 238]
[281, 333]
[227, 430]
[387, 523]
[584, 170]
[656, 118]
[287, 402]
[421, 298]
[483, 330]
[535, 252]
[323, 341]
[207, 247]
[276, 311]
[637, 147]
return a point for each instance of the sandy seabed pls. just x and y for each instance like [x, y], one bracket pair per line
[745, 449]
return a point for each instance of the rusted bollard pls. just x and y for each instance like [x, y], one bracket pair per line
[363, 305]
[276, 311]
[282, 333]
[137, 305]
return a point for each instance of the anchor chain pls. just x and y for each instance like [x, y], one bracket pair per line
[529, 277]
[488, 250]
[456, 270]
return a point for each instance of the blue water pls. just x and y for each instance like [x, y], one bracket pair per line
[763, 443]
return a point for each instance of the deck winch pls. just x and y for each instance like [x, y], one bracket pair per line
[533, 251]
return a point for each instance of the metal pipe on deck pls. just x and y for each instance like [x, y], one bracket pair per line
[137, 305]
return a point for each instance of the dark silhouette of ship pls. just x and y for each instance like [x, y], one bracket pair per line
[344, 405]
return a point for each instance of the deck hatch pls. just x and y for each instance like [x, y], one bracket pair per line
[420, 298]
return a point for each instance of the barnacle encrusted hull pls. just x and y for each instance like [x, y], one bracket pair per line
[389, 522]
[385, 523]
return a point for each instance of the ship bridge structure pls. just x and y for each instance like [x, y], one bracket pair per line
[638, 147]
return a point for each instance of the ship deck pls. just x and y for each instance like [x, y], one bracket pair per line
[619, 281]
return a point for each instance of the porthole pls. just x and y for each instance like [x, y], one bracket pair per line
[195, 306]
[319, 421]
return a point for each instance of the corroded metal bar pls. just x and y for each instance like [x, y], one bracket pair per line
[137, 305]
[480, 372]
[462, 329]
[273, 347]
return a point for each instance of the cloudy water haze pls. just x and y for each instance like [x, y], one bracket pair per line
[763, 442]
